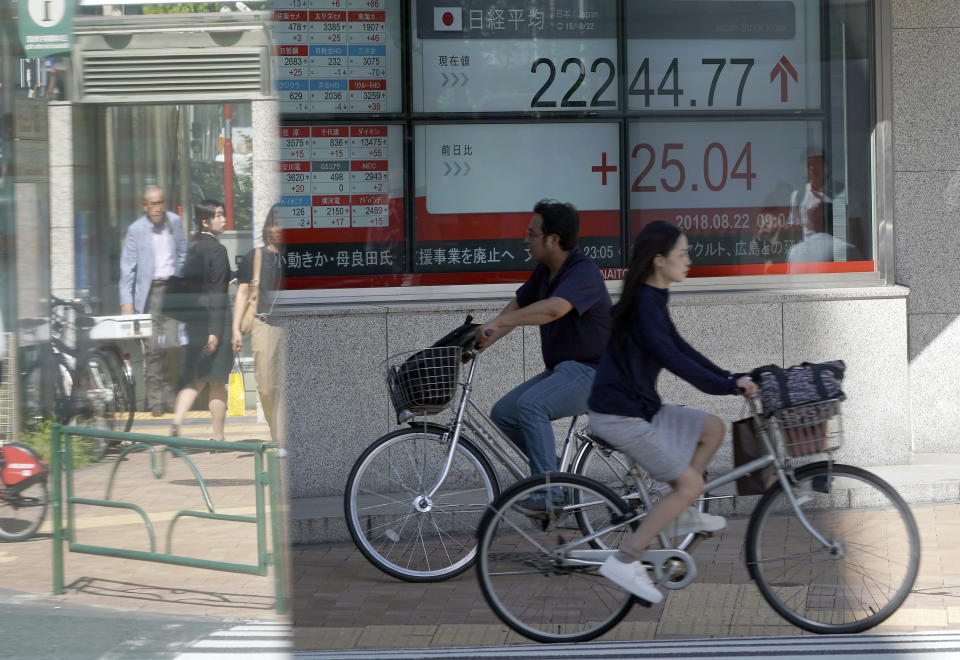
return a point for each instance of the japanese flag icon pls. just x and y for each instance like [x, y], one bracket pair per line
[448, 19]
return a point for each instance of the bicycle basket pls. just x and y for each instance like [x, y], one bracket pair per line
[811, 428]
[425, 381]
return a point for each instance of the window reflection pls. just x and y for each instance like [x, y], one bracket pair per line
[757, 144]
[120, 150]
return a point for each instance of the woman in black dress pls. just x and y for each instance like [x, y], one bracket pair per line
[207, 357]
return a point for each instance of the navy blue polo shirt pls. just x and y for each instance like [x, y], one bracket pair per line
[581, 334]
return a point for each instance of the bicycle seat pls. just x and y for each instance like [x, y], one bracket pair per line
[600, 441]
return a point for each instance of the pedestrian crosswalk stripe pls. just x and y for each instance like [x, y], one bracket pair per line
[234, 654]
[240, 644]
[251, 633]
[265, 640]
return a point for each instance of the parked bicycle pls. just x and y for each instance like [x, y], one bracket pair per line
[831, 547]
[23, 491]
[415, 497]
[91, 383]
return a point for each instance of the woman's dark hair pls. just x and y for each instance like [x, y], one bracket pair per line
[204, 210]
[658, 237]
[269, 223]
[560, 219]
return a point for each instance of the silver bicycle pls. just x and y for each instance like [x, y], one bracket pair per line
[415, 497]
[831, 547]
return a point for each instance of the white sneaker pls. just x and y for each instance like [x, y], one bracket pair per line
[632, 577]
[692, 521]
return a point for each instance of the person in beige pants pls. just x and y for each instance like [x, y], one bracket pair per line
[268, 340]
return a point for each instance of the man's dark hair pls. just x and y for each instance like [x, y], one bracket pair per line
[561, 219]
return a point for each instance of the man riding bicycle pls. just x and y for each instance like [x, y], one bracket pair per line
[566, 296]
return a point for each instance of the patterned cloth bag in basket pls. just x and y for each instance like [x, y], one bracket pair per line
[788, 393]
[800, 384]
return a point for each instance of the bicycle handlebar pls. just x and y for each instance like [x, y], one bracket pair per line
[76, 304]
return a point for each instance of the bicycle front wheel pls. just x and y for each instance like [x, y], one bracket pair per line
[863, 573]
[539, 573]
[602, 463]
[394, 523]
[33, 410]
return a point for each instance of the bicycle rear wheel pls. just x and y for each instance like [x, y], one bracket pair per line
[124, 391]
[97, 398]
[602, 463]
[533, 579]
[396, 526]
[861, 577]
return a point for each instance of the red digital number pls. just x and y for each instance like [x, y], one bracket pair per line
[716, 181]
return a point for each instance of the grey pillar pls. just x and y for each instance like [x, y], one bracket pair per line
[266, 181]
[62, 244]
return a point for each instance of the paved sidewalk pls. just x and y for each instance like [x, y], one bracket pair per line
[343, 602]
[153, 587]
[340, 601]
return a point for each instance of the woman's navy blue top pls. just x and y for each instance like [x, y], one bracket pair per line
[627, 375]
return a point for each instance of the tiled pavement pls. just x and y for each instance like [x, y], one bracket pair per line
[341, 601]
[153, 587]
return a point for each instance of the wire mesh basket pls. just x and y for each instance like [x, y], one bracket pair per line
[423, 382]
[811, 428]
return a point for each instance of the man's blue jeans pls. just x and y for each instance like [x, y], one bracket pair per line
[525, 412]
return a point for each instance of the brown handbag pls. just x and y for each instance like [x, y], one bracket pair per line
[747, 447]
[250, 309]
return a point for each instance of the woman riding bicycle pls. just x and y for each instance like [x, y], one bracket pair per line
[672, 443]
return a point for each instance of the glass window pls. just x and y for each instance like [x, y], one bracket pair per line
[543, 56]
[119, 150]
[341, 204]
[477, 183]
[766, 187]
[694, 55]
[752, 196]
[337, 56]
[747, 123]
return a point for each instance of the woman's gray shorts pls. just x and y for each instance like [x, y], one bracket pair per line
[663, 446]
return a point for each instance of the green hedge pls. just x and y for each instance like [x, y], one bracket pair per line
[38, 438]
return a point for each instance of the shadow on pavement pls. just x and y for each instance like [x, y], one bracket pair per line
[145, 592]
[946, 590]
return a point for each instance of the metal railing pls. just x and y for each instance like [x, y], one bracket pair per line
[266, 476]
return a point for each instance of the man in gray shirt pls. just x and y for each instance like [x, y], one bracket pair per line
[154, 250]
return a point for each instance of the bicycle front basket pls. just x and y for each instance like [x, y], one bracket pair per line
[811, 428]
[424, 382]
